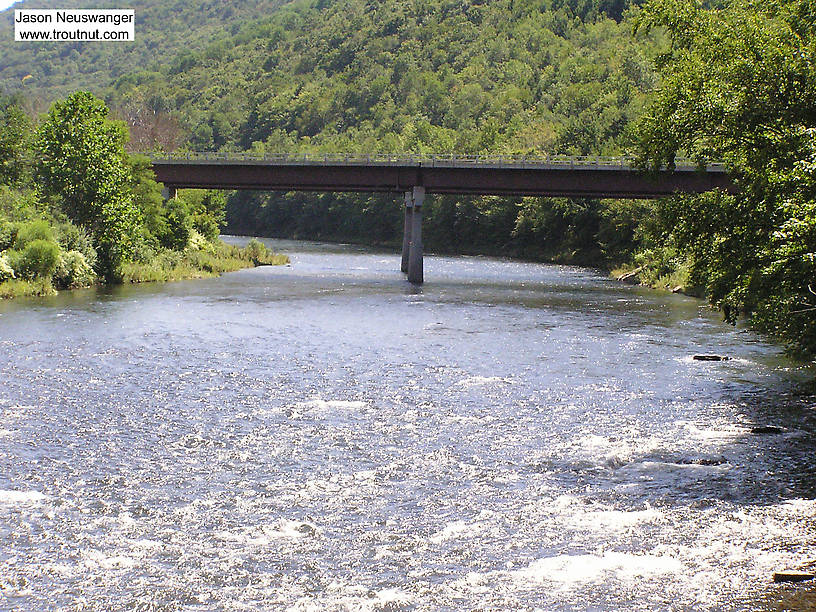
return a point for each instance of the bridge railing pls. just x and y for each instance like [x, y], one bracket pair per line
[408, 159]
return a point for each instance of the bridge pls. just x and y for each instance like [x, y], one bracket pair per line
[416, 175]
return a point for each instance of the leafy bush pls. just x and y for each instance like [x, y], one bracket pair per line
[179, 226]
[200, 243]
[256, 251]
[18, 204]
[31, 231]
[39, 259]
[8, 234]
[145, 248]
[6, 271]
[206, 226]
[75, 238]
[73, 270]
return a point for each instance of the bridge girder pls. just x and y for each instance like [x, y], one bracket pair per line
[415, 179]
[579, 182]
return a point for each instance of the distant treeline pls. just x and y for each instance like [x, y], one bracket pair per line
[587, 232]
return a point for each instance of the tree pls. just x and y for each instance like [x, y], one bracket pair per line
[15, 141]
[83, 163]
[152, 127]
[739, 85]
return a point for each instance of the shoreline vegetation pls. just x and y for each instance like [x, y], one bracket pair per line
[76, 210]
[673, 278]
[216, 259]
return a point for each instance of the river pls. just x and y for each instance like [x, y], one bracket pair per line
[324, 436]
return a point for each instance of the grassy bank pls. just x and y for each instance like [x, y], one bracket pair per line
[201, 263]
[210, 259]
[660, 268]
[16, 288]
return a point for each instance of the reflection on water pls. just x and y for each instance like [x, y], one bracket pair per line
[326, 436]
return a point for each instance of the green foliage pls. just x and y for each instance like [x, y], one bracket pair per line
[169, 224]
[207, 210]
[178, 224]
[19, 204]
[739, 84]
[17, 288]
[148, 198]
[73, 271]
[75, 238]
[8, 234]
[83, 163]
[165, 29]
[31, 231]
[6, 270]
[15, 138]
[38, 259]
[591, 9]
[90, 180]
[663, 267]
[206, 226]
[565, 230]
[623, 227]
[256, 251]
[171, 265]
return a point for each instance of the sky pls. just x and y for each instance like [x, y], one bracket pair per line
[4, 4]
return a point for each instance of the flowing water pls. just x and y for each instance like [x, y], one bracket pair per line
[323, 436]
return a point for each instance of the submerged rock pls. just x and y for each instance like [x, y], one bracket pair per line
[767, 429]
[306, 529]
[711, 358]
[710, 461]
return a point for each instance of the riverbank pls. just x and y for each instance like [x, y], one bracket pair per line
[796, 599]
[655, 273]
[213, 260]
[208, 259]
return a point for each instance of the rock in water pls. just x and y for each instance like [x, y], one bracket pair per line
[767, 429]
[711, 358]
[793, 576]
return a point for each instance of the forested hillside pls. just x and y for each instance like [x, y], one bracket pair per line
[507, 76]
[529, 76]
[45, 71]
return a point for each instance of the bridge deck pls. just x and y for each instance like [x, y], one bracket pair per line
[497, 175]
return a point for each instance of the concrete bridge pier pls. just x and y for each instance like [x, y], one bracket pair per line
[415, 271]
[406, 233]
[169, 192]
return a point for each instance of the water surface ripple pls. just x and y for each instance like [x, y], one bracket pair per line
[323, 436]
